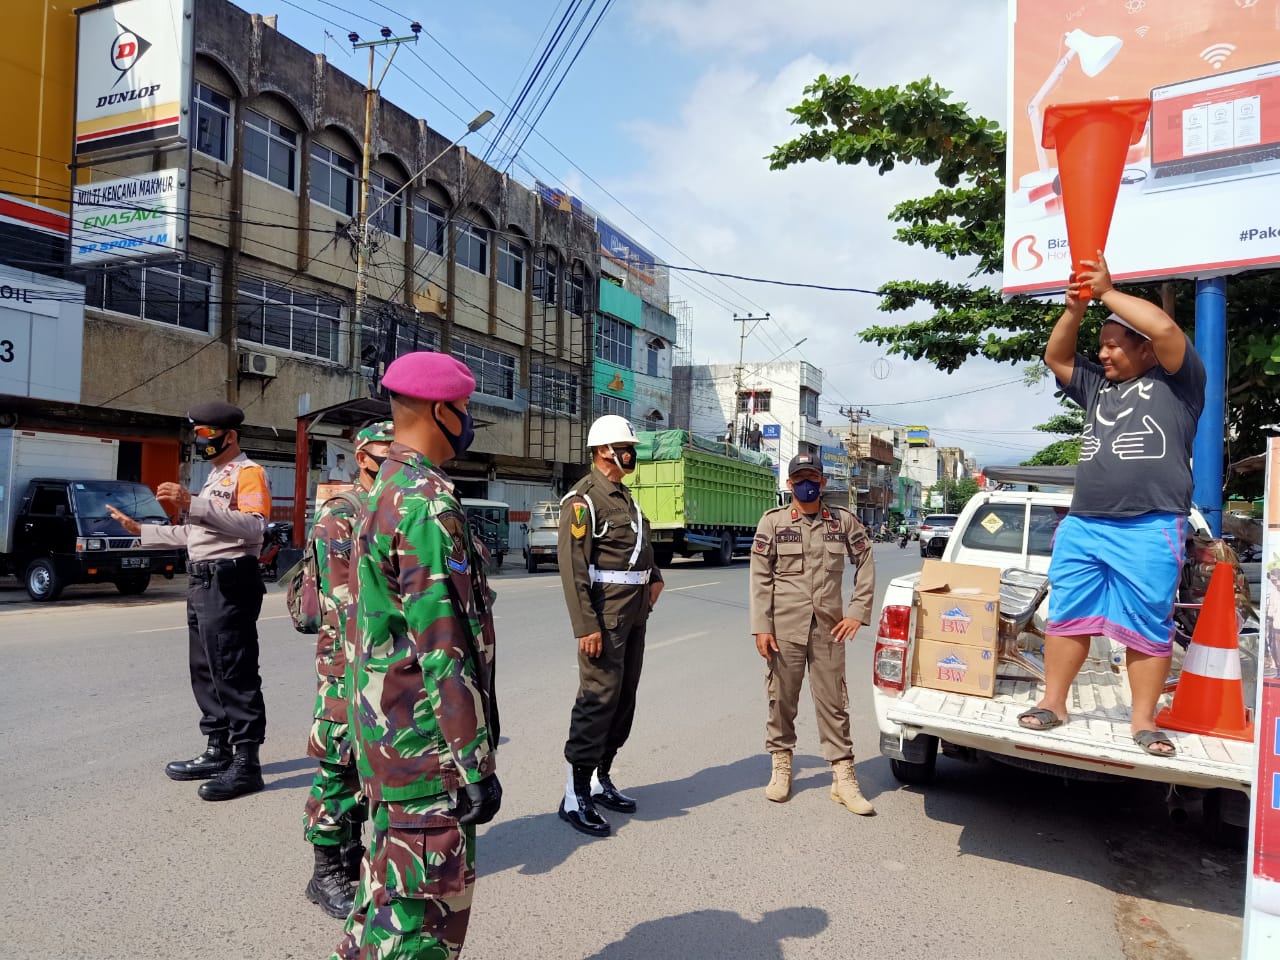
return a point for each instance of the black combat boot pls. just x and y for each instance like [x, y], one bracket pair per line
[353, 849]
[606, 794]
[576, 809]
[244, 775]
[215, 759]
[329, 887]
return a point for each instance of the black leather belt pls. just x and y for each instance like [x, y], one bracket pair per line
[206, 568]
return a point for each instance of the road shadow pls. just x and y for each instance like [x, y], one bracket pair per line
[87, 594]
[714, 934]
[542, 842]
[1116, 835]
[286, 766]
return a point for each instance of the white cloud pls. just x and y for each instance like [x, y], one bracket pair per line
[704, 181]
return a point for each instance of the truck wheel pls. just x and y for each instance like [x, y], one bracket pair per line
[497, 559]
[918, 774]
[42, 581]
[133, 583]
[1226, 818]
[663, 556]
[531, 563]
[726, 547]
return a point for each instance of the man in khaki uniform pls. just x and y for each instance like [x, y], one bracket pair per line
[797, 564]
[610, 584]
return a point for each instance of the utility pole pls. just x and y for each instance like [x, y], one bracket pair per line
[855, 415]
[362, 224]
[742, 342]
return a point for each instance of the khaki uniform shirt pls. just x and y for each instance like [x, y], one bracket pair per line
[605, 542]
[226, 520]
[797, 565]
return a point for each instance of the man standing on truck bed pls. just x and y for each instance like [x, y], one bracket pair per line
[1118, 553]
[221, 528]
[611, 582]
[797, 566]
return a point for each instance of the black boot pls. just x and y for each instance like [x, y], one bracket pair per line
[353, 850]
[329, 887]
[577, 810]
[244, 775]
[215, 759]
[606, 794]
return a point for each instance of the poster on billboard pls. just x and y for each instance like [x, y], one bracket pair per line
[625, 252]
[917, 436]
[133, 74]
[129, 218]
[1262, 887]
[1200, 191]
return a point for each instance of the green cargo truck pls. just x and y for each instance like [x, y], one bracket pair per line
[700, 496]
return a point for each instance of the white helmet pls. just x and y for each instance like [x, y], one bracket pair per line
[610, 429]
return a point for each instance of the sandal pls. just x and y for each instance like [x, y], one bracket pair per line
[1149, 739]
[1045, 719]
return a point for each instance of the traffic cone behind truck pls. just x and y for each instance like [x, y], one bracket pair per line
[1209, 699]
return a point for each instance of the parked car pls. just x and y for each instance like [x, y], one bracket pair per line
[543, 531]
[491, 521]
[932, 524]
[913, 528]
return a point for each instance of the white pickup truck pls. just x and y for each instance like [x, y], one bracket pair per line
[1014, 529]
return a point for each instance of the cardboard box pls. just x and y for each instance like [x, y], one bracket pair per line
[957, 628]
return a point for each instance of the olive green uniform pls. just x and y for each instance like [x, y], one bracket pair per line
[797, 568]
[606, 566]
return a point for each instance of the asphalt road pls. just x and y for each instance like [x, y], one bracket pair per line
[106, 858]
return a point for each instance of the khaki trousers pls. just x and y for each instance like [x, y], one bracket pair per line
[783, 678]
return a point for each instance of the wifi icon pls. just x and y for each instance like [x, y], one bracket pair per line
[1217, 53]
[1142, 31]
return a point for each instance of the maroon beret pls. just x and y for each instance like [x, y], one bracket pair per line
[427, 375]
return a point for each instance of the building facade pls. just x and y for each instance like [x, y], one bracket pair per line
[261, 311]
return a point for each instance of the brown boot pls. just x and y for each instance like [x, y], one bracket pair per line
[845, 790]
[779, 788]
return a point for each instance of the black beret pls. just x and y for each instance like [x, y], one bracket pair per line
[216, 413]
[804, 461]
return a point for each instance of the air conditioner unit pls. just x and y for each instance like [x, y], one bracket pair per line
[258, 365]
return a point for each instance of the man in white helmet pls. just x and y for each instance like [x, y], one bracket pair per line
[610, 584]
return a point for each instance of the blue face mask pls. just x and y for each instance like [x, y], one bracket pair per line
[806, 491]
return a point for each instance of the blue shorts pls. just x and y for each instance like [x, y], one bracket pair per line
[1117, 578]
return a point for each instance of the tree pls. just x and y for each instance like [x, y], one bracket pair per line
[920, 123]
[1061, 453]
[955, 493]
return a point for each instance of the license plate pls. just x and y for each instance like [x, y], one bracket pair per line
[135, 563]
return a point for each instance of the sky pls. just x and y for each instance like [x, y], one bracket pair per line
[663, 126]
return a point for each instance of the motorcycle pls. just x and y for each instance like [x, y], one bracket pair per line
[278, 534]
[903, 538]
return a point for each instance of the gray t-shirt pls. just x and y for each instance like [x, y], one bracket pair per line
[1135, 457]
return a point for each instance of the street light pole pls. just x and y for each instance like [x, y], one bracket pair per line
[742, 342]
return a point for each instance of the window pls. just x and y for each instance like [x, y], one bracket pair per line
[280, 317]
[613, 341]
[607, 404]
[473, 247]
[47, 500]
[809, 405]
[428, 225]
[270, 150]
[213, 120]
[578, 295]
[390, 218]
[763, 400]
[173, 293]
[999, 527]
[546, 279]
[653, 354]
[333, 180]
[495, 371]
[510, 263]
[553, 390]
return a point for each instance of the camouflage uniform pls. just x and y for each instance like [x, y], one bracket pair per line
[334, 802]
[424, 715]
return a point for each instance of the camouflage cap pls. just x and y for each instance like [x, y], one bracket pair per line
[377, 432]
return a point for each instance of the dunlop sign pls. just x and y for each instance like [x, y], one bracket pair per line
[130, 218]
[133, 74]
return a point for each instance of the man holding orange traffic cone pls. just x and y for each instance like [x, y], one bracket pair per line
[1117, 555]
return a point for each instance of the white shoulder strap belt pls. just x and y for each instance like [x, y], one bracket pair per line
[606, 576]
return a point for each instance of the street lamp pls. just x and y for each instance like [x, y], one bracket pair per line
[480, 120]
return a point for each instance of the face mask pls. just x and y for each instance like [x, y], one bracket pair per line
[806, 491]
[624, 457]
[373, 474]
[461, 440]
[212, 448]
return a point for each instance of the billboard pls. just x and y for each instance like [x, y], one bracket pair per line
[133, 74]
[41, 336]
[917, 436]
[129, 218]
[625, 252]
[835, 461]
[1200, 192]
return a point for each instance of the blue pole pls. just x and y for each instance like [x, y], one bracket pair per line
[1211, 344]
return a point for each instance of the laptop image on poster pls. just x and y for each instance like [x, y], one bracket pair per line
[1225, 126]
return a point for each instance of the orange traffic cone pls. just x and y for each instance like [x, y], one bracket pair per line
[1092, 140]
[1210, 695]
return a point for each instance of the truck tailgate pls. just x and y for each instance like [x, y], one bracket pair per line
[1095, 738]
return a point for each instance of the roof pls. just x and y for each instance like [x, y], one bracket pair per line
[1043, 476]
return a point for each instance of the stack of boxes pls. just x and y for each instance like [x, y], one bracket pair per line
[957, 628]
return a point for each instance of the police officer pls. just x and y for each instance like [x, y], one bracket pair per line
[797, 564]
[335, 810]
[221, 528]
[610, 584]
[424, 716]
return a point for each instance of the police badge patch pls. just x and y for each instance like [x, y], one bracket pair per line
[455, 525]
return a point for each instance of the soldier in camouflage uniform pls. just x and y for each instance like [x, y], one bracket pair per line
[335, 810]
[424, 715]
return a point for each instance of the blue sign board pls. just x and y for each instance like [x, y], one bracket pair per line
[624, 251]
[835, 461]
[771, 431]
